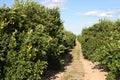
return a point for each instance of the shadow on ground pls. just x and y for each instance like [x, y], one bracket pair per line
[50, 74]
[100, 67]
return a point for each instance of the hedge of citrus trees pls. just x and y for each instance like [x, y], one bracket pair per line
[32, 39]
[101, 43]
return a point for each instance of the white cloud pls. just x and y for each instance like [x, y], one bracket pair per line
[54, 3]
[100, 13]
[118, 16]
[45, 1]
[58, 1]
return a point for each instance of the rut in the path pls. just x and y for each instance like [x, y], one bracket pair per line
[75, 70]
[79, 68]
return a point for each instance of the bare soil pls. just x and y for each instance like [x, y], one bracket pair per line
[77, 68]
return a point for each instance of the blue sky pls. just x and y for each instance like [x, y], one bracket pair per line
[78, 14]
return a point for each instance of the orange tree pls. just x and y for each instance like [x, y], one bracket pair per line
[101, 43]
[32, 39]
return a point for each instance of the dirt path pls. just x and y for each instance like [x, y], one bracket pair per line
[80, 68]
[75, 70]
[92, 70]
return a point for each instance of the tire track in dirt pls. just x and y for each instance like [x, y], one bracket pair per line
[80, 68]
[91, 70]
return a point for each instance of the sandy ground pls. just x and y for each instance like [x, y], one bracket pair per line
[79, 68]
[92, 71]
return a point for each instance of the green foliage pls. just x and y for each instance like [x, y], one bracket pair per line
[32, 39]
[101, 43]
[69, 39]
